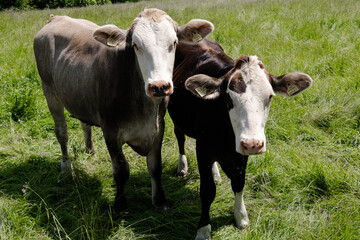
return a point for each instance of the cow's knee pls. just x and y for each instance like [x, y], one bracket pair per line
[182, 169]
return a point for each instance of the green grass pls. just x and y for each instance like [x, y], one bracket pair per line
[306, 186]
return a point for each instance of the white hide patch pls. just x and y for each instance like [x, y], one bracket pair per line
[240, 214]
[182, 169]
[154, 44]
[251, 108]
[203, 233]
[216, 173]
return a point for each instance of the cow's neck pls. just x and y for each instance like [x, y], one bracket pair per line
[138, 113]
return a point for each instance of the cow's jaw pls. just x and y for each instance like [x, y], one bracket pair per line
[154, 44]
[250, 107]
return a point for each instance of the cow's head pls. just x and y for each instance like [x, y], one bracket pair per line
[248, 90]
[154, 36]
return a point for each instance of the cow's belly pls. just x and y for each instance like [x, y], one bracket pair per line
[84, 111]
[78, 93]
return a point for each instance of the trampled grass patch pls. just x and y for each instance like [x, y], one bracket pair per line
[306, 186]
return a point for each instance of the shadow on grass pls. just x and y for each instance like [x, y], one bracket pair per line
[77, 209]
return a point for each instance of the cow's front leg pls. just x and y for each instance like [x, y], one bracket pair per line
[153, 161]
[120, 169]
[207, 191]
[236, 172]
[240, 214]
[207, 196]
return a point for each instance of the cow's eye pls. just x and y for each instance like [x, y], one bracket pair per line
[135, 46]
[173, 46]
[270, 98]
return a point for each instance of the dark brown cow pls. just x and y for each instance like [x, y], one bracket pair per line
[116, 79]
[223, 105]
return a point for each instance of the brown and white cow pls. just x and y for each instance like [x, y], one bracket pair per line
[224, 106]
[116, 79]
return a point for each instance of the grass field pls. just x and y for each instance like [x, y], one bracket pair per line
[306, 186]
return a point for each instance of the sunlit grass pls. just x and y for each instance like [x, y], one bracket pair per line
[305, 187]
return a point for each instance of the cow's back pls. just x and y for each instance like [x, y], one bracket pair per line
[66, 56]
[195, 116]
[57, 35]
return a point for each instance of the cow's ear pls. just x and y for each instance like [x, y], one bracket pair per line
[204, 86]
[110, 35]
[291, 84]
[195, 30]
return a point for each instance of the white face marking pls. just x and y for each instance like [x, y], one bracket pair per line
[250, 108]
[155, 44]
[240, 213]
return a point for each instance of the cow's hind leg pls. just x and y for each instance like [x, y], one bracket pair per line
[89, 145]
[57, 111]
[182, 169]
[153, 161]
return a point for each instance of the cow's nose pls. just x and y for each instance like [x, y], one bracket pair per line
[159, 89]
[252, 146]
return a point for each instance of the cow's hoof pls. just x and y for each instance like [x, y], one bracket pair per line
[243, 224]
[67, 170]
[182, 174]
[119, 215]
[182, 170]
[163, 206]
[203, 233]
[243, 227]
[217, 179]
[90, 151]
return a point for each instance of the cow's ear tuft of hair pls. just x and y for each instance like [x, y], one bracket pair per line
[291, 84]
[203, 86]
[110, 35]
[195, 30]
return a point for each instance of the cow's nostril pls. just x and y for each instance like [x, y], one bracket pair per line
[154, 88]
[165, 87]
[250, 147]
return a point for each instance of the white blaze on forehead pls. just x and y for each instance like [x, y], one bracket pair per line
[250, 108]
[155, 49]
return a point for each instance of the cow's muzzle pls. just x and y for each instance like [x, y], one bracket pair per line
[252, 146]
[159, 89]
